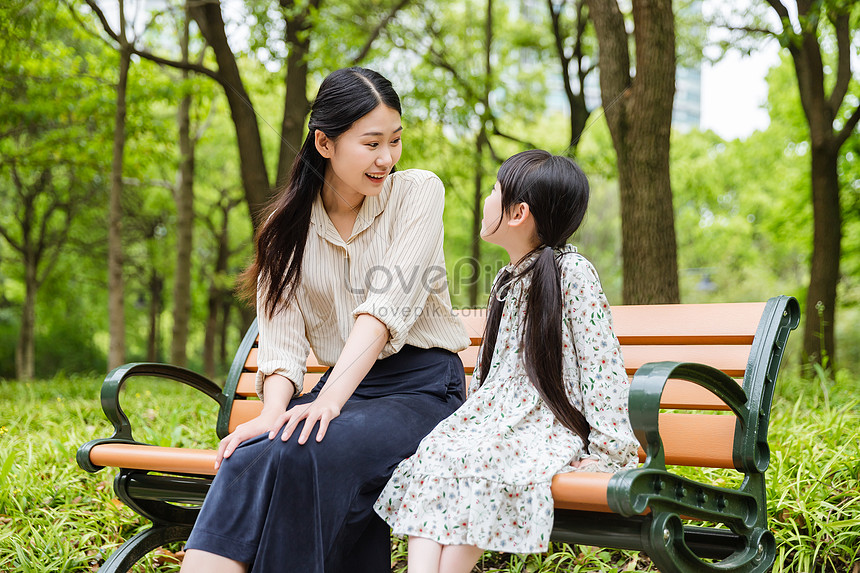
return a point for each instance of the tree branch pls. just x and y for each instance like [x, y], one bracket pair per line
[843, 74]
[511, 137]
[781, 11]
[101, 16]
[752, 30]
[84, 27]
[848, 128]
[190, 66]
[378, 30]
[199, 68]
[439, 60]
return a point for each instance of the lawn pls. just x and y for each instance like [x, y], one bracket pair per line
[56, 517]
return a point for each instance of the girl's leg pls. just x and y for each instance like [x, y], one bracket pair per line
[203, 561]
[459, 558]
[423, 555]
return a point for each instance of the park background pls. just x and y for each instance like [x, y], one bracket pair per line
[139, 139]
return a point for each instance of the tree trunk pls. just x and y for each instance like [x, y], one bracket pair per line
[224, 315]
[639, 113]
[296, 105]
[184, 225]
[25, 352]
[153, 348]
[255, 179]
[476, 221]
[211, 333]
[216, 295]
[820, 110]
[116, 286]
[818, 339]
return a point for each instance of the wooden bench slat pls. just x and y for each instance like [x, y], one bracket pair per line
[683, 395]
[154, 458]
[584, 491]
[689, 439]
[731, 359]
[697, 439]
[729, 323]
[678, 395]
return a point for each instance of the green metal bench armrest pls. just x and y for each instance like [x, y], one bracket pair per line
[646, 389]
[111, 387]
[651, 486]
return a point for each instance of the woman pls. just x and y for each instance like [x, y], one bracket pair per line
[349, 262]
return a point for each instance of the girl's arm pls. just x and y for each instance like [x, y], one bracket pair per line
[361, 350]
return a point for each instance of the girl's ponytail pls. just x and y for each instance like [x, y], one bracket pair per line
[542, 342]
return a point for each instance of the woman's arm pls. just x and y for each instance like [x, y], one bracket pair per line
[361, 350]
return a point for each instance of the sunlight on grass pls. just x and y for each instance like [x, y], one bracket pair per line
[56, 517]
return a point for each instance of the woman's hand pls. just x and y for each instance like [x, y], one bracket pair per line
[278, 391]
[323, 410]
[263, 423]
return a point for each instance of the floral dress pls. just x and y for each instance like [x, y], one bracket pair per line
[482, 476]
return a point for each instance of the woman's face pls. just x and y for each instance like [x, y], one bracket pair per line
[363, 156]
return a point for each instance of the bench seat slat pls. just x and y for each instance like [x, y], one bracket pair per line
[725, 323]
[688, 439]
[679, 394]
[731, 359]
[155, 458]
[579, 490]
[728, 323]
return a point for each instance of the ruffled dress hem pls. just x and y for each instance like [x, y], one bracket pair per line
[469, 511]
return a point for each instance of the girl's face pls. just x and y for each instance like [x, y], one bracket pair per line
[491, 224]
[363, 156]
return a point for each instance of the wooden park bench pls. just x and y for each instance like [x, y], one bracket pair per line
[719, 362]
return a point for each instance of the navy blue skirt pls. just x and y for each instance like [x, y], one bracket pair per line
[281, 506]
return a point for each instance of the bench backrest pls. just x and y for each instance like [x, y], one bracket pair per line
[720, 335]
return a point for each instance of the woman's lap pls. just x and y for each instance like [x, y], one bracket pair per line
[285, 506]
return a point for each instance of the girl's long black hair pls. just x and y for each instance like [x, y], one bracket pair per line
[556, 191]
[344, 97]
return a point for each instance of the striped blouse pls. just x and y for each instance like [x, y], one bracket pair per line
[392, 267]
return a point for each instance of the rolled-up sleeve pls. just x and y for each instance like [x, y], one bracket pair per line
[602, 378]
[283, 346]
[398, 296]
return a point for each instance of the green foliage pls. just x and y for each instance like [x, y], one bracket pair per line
[743, 208]
[57, 517]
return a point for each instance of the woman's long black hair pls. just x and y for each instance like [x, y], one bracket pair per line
[556, 191]
[344, 97]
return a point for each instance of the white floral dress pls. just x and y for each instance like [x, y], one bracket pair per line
[482, 476]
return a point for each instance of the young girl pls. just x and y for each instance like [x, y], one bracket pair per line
[296, 485]
[549, 393]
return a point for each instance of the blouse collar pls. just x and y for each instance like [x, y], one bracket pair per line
[371, 207]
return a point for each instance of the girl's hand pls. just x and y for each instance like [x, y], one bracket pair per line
[263, 423]
[583, 463]
[323, 410]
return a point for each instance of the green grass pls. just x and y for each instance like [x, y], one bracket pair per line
[56, 517]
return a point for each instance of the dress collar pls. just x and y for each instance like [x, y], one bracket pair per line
[523, 264]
